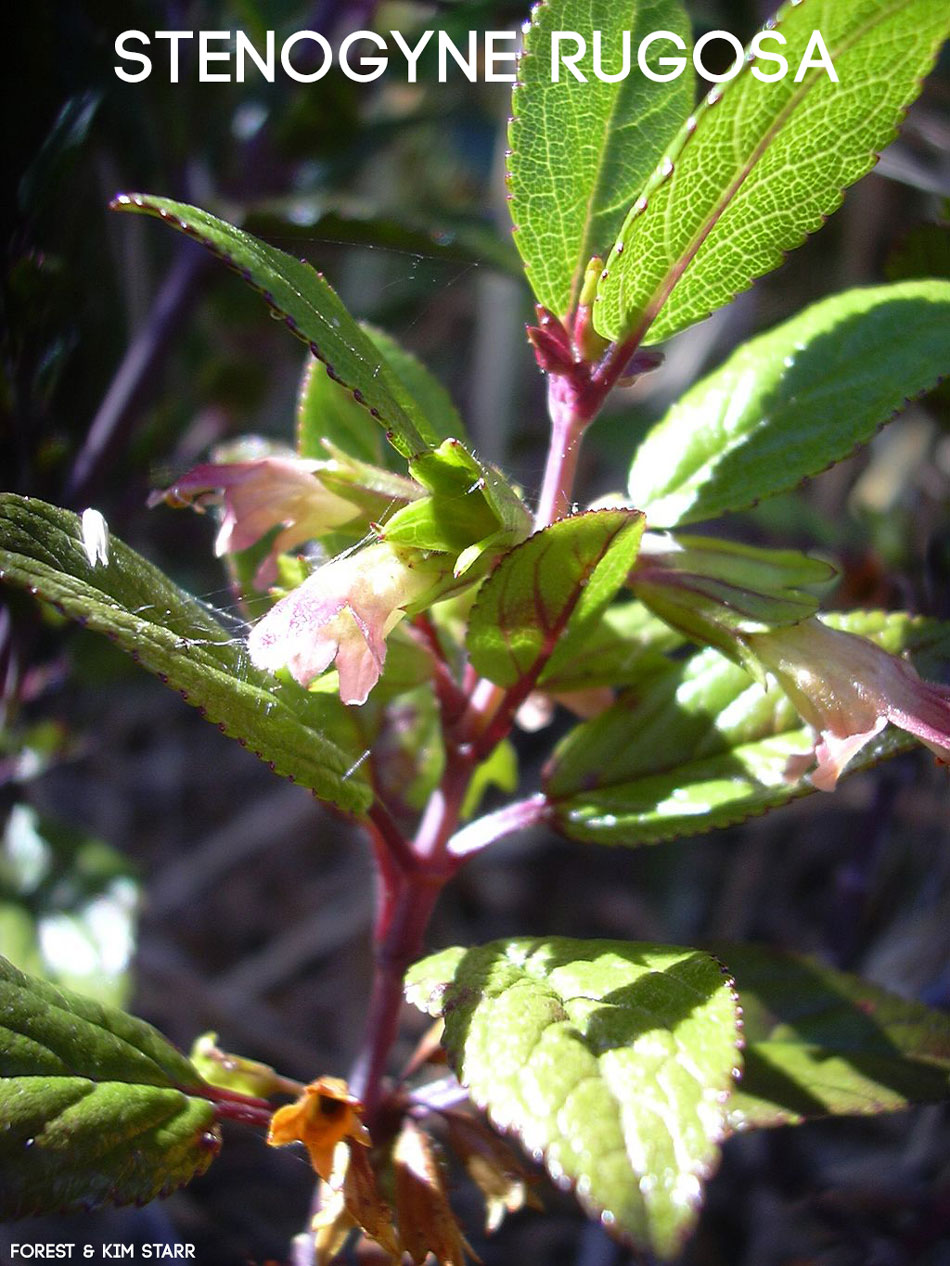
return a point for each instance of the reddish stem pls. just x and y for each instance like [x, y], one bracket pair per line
[475, 718]
[229, 1105]
[401, 923]
[567, 428]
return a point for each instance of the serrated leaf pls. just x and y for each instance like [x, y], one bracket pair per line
[820, 1041]
[326, 409]
[698, 744]
[793, 401]
[96, 1105]
[761, 165]
[609, 1058]
[563, 576]
[581, 152]
[312, 310]
[177, 638]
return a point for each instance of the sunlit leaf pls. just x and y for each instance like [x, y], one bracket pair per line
[177, 638]
[562, 577]
[96, 1105]
[581, 152]
[761, 165]
[326, 409]
[312, 310]
[611, 1060]
[793, 401]
[698, 744]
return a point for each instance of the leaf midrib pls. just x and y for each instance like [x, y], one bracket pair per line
[676, 271]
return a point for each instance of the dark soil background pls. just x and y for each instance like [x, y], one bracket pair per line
[126, 355]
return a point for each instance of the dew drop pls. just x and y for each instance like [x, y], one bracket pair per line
[642, 203]
[691, 124]
[618, 249]
[788, 362]
[666, 168]
[714, 96]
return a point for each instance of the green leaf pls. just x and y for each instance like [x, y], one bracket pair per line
[698, 744]
[609, 1058]
[96, 1105]
[581, 152]
[326, 409]
[761, 165]
[612, 654]
[562, 577]
[819, 1041]
[177, 638]
[716, 591]
[793, 401]
[311, 309]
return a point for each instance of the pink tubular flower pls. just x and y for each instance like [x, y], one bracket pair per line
[258, 495]
[848, 688]
[342, 612]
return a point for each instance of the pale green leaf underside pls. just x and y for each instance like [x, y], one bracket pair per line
[581, 152]
[561, 578]
[765, 164]
[819, 1041]
[700, 745]
[312, 310]
[174, 636]
[793, 401]
[610, 1059]
[96, 1105]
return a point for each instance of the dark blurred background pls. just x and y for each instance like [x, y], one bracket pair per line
[151, 861]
